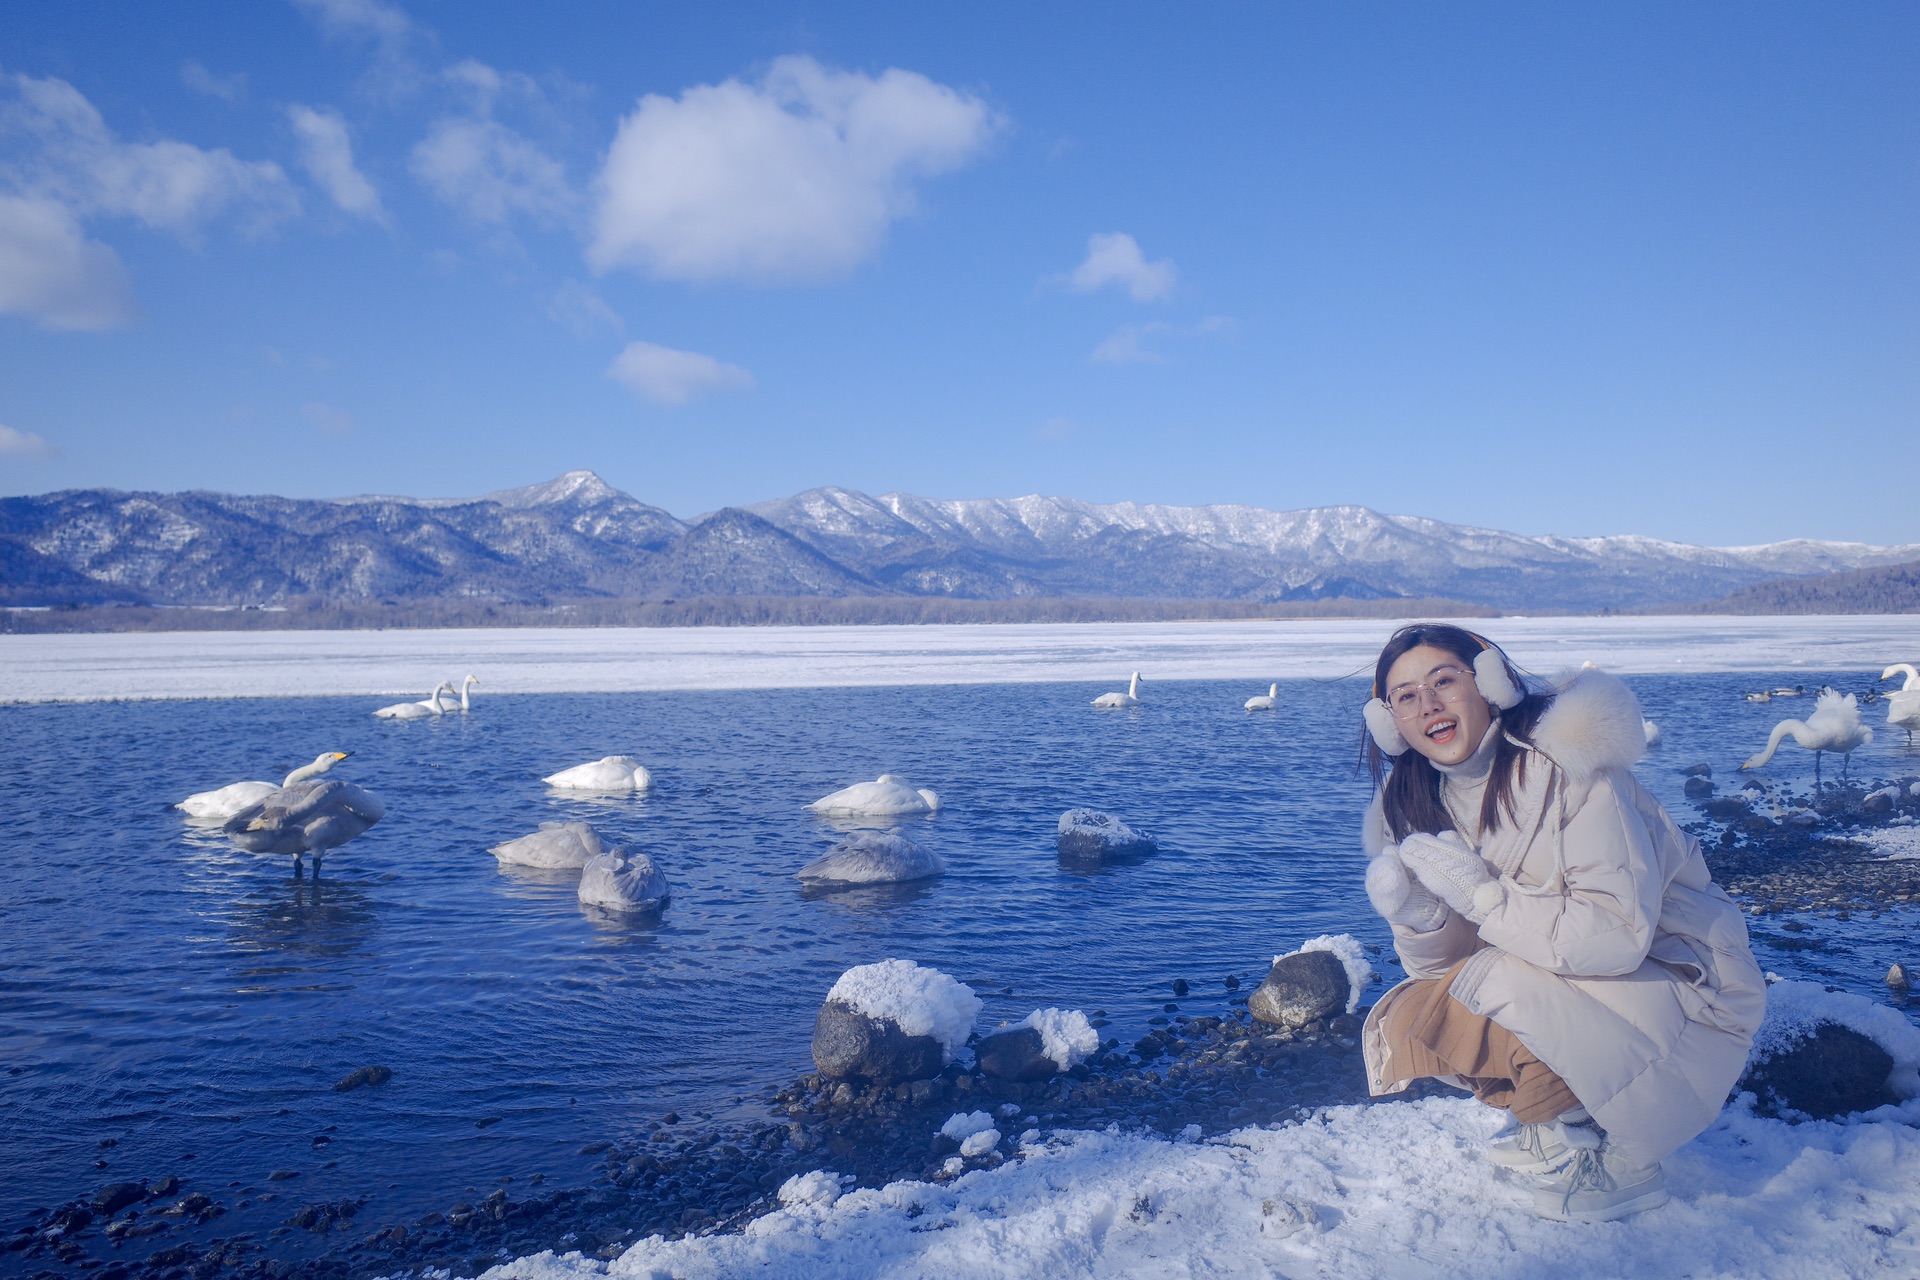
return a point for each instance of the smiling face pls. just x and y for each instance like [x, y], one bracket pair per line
[1446, 717]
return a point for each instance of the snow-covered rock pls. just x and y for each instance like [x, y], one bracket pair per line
[1352, 954]
[1301, 988]
[1090, 836]
[1825, 1054]
[556, 845]
[873, 857]
[891, 1022]
[1046, 1042]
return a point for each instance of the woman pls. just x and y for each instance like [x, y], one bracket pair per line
[1569, 957]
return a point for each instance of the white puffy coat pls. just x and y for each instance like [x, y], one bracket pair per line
[1611, 954]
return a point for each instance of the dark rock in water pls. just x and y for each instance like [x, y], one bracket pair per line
[1698, 788]
[1231, 982]
[1089, 836]
[873, 857]
[1727, 808]
[1877, 801]
[364, 1075]
[1017, 1054]
[281, 1175]
[1701, 770]
[1180, 987]
[165, 1187]
[1301, 988]
[1831, 1073]
[847, 1044]
[116, 1196]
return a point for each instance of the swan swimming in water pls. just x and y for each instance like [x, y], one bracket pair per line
[1266, 701]
[428, 706]
[466, 684]
[1114, 701]
[623, 880]
[873, 857]
[1833, 726]
[888, 797]
[235, 796]
[563, 846]
[305, 817]
[1903, 707]
[609, 773]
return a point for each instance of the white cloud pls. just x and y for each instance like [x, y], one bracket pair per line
[1124, 346]
[383, 24]
[490, 173]
[24, 444]
[582, 312]
[227, 88]
[795, 178]
[55, 145]
[1113, 257]
[52, 274]
[327, 153]
[327, 418]
[667, 376]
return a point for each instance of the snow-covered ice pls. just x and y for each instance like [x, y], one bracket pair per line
[1065, 1035]
[1393, 1190]
[204, 664]
[924, 1002]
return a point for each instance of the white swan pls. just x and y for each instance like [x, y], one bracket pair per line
[873, 857]
[623, 880]
[466, 684]
[235, 796]
[305, 817]
[1903, 707]
[889, 797]
[565, 846]
[1114, 701]
[428, 706]
[1833, 726]
[1266, 701]
[1765, 695]
[609, 773]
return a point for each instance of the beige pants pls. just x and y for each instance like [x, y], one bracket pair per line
[1429, 1033]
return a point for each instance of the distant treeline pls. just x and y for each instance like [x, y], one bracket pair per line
[1893, 588]
[703, 611]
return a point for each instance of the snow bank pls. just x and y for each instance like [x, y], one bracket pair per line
[925, 1002]
[1794, 1009]
[1392, 1190]
[1351, 954]
[1065, 1035]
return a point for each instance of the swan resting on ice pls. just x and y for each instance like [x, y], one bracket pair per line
[235, 796]
[1833, 726]
[1131, 698]
[873, 857]
[563, 846]
[428, 706]
[1265, 701]
[623, 880]
[609, 773]
[888, 797]
[313, 817]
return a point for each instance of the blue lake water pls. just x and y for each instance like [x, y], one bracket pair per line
[195, 1004]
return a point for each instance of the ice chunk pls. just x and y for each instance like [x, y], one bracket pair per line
[819, 1187]
[1065, 1035]
[924, 1002]
[978, 1144]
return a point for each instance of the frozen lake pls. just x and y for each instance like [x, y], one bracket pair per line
[634, 660]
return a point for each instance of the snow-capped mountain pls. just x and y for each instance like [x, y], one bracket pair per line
[578, 537]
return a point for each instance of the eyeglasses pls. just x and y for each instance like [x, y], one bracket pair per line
[1448, 685]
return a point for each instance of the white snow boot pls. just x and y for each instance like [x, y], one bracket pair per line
[1541, 1148]
[1598, 1186]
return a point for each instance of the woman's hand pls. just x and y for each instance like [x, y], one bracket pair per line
[1400, 898]
[1457, 875]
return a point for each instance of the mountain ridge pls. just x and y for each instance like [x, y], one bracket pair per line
[578, 537]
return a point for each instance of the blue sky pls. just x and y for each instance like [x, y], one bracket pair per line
[1557, 269]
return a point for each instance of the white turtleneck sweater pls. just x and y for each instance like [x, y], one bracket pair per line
[1463, 786]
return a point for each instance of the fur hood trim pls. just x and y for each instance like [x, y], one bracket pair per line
[1593, 725]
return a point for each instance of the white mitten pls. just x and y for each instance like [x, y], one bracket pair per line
[1399, 897]
[1447, 865]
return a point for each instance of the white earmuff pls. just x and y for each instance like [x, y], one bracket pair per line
[1495, 683]
[1384, 728]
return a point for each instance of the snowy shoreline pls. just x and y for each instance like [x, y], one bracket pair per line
[182, 665]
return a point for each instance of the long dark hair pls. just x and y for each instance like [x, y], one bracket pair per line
[1408, 783]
